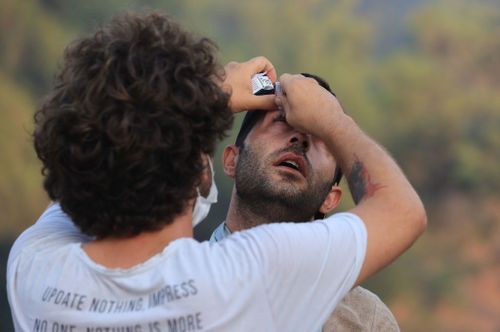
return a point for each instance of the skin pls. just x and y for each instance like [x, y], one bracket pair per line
[237, 82]
[361, 183]
[266, 192]
[390, 208]
[127, 252]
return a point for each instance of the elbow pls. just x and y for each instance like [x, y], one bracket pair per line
[414, 215]
[423, 221]
[419, 218]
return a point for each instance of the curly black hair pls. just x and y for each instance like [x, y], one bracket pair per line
[122, 134]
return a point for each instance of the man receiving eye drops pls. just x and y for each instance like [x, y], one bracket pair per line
[256, 190]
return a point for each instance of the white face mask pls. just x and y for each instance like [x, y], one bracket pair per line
[202, 204]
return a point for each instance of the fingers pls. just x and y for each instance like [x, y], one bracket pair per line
[250, 102]
[301, 100]
[262, 103]
[281, 102]
[265, 102]
[238, 83]
[285, 79]
[262, 64]
[289, 81]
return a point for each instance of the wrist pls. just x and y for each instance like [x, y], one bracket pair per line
[335, 126]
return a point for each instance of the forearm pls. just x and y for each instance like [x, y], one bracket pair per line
[371, 173]
[385, 200]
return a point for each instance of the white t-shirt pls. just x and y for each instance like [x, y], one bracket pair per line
[278, 277]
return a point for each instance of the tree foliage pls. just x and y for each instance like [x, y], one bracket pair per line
[442, 94]
[431, 96]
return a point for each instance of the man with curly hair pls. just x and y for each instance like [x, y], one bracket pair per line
[123, 139]
[258, 197]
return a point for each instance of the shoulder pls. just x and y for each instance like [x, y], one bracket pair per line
[53, 231]
[50, 236]
[361, 310]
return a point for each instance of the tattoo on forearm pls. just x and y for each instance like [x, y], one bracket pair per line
[360, 182]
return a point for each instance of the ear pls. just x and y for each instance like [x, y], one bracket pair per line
[230, 159]
[332, 200]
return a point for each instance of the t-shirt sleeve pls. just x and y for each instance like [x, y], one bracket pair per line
[308, 267]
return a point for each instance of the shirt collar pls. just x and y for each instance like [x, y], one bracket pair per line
[220, 233]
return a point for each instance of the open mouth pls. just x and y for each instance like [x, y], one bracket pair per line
[293, 162]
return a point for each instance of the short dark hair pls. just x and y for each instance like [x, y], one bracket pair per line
[252, 118]
[121, 136]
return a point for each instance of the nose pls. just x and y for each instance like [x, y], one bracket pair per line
[300, 139]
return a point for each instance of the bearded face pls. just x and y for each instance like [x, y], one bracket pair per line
[281, 183]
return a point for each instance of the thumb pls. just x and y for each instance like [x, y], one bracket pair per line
[281, 102]
[262, 64]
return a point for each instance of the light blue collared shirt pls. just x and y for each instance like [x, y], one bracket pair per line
[220, 233]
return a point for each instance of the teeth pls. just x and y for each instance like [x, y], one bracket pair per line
[290, 163]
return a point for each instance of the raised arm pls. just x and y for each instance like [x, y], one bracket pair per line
[387, 203]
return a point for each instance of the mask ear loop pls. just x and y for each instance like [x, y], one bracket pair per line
[210, 164]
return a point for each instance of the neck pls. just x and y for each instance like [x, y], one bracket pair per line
[127, 252]
[240, 216]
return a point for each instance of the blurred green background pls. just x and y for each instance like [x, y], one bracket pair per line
[422, 77]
